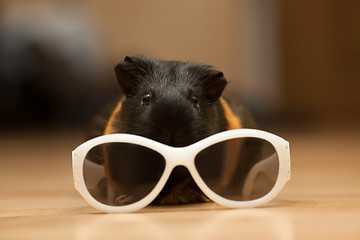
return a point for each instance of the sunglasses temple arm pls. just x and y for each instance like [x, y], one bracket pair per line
[262, 166]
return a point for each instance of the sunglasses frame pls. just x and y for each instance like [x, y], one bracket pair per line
[182, 156]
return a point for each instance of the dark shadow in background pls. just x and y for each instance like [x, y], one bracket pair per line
[52, 70]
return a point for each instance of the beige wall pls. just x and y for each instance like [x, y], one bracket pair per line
[199, 30]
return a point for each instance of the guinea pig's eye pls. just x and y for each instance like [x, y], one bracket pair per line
[195, 101]
[146, 99]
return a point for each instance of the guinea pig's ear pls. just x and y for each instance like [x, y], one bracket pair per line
[213, 85]
[129, 73]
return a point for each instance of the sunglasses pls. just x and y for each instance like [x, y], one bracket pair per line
[236, 168]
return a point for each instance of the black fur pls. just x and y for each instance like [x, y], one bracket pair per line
[171, 116]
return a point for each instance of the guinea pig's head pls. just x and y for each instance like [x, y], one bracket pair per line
[167, 101]
[175, 103]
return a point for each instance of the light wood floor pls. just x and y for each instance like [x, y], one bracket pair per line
[322, 201]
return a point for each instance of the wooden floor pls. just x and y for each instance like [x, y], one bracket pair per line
[322, 201]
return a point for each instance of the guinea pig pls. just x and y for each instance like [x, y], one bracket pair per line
[175, 103]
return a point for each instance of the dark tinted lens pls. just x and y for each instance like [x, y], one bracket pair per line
[120, 173]
[239, 169]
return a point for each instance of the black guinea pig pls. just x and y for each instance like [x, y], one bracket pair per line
[175, 103]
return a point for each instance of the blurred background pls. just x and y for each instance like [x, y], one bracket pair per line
[293, 63]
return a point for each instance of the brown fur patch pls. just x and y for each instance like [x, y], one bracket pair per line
[110, 124]
[234, 121]
[109, 129]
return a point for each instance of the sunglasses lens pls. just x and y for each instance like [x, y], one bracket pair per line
[239, 169]
[120, 174]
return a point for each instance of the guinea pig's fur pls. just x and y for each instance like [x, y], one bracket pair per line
[175, 103]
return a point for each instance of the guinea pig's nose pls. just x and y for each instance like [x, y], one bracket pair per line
[173, 137]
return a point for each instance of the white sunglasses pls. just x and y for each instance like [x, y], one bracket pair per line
[236, 168]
